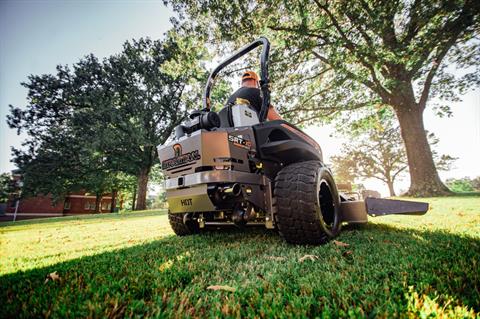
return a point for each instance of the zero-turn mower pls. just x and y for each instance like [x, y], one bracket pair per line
[236, 168]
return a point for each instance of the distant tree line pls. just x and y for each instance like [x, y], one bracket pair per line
[465, 184]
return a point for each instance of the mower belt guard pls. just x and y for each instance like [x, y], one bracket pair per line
[381, 207]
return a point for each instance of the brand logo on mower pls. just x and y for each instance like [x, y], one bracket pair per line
[180, 159]
[177, 150]
[240, 142]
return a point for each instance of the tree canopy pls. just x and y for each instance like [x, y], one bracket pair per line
[89, 124]
[337, 56]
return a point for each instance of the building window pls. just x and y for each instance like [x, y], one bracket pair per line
[89, 205]
[66, 205]
[106, 205]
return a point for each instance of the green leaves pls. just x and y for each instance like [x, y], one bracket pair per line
[381, 49]
[462, 185]
[7, 187]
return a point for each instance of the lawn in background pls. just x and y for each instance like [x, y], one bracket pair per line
[131, 265]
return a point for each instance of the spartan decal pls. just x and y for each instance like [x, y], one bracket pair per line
[180, 159]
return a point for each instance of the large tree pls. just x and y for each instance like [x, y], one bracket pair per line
[58, 155]
[155, 83]
[334, 56]
[64, 159]
[89, 124]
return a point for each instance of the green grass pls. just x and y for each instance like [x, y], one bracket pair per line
[131, 265]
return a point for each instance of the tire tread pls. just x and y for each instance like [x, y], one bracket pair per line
[179, 228]
[295, 193]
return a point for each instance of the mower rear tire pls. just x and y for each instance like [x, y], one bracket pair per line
[307, 203]
[180, 228]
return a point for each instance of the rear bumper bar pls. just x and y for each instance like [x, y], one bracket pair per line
[216, 176]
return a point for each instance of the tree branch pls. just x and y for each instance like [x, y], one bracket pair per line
[431, 74]
[448, 35]
[358, 26]
[305, 79]
[398, 172]
[385, 95]
[376, 86]
[306, 32]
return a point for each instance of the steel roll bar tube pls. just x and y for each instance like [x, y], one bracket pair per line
[264, 80]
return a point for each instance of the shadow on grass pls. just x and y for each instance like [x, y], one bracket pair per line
[376, 275]
[103, 217]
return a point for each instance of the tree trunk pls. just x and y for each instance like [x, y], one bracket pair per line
[424, 179]
[134, 197]
[391, 189]
[142, 189]
[98, 202]
[114, 201]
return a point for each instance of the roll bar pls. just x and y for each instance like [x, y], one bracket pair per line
[264, 80]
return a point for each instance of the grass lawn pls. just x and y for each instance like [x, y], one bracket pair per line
[132, 265]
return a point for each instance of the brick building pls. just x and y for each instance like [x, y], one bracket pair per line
[43, 206]
[73, 204]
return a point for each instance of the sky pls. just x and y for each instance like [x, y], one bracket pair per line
[35, 36]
